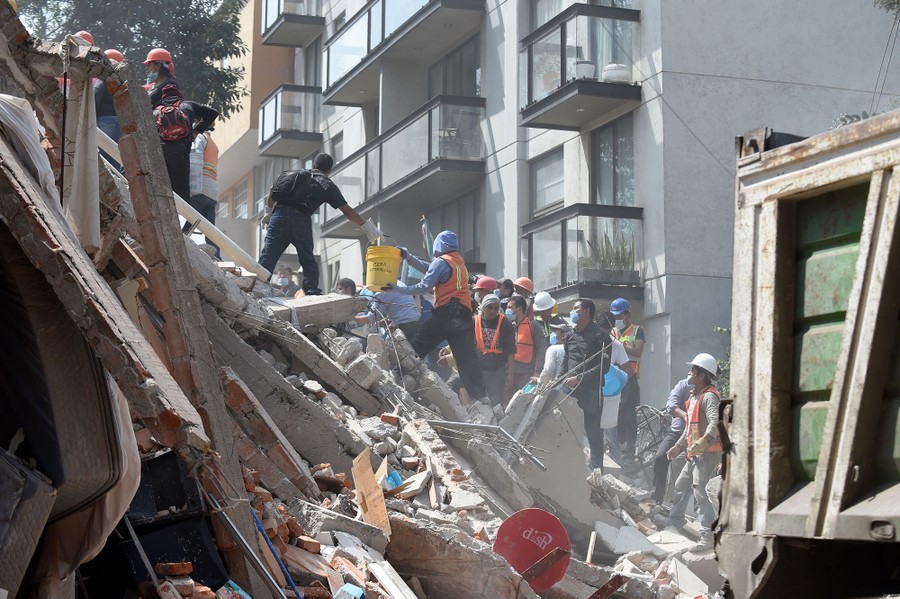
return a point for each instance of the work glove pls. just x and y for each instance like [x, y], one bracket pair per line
[266, 218]
[371, 231]
[699, 446]
[404, 253]
[388, 287]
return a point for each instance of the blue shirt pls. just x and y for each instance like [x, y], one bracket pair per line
[678, 398]
[435, 273]
[400, 308]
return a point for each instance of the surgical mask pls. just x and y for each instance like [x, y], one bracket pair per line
[496, 292]
[510, 314]
[574, 314]
[620, 324]
[151, 76]
[281, 281]
[553, 339]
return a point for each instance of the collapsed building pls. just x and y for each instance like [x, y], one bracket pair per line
[171, 424]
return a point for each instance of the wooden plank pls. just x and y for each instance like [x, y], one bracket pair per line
[608, 589]
[270, 562]
[369, 494]
[387, 577]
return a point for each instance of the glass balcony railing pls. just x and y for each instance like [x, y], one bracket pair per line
[290, 108]
[446, 128]
[273, 10]
[365, 33]
[587, 249]
[580, 43]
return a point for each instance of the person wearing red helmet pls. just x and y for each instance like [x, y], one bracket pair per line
[107, 121]
[483, 286]
[173, 119]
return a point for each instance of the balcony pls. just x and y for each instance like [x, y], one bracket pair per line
[578, 67]
[587, 250]
[292, 23]
[433, 156]
[289, 122]
[416, 31]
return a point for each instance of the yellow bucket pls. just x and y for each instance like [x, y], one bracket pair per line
[382, 266]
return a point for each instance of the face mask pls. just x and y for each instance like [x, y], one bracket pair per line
[281, 281]
[151, 76]
[553, 339]
[620, 324]
[510, 314]
[496, 292]
[573, 315]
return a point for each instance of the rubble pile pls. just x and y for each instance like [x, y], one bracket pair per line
[328, 468]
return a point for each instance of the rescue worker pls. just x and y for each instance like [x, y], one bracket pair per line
[704, 450]
[495, 340]
[675, 406]
[587, 361]
[545, 312]
[632, 337]
[451, 318]
[484, 286]
[531, 345]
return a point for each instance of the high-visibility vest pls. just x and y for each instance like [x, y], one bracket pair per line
[479, 337]
[693, 423]
[457, 286]
[524, 342]
[627, 338]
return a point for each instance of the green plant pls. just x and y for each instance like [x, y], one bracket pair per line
[616, 253]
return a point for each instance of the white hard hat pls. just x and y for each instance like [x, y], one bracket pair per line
[707, 363]
[543, 301]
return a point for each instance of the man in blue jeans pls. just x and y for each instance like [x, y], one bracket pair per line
[288, 225]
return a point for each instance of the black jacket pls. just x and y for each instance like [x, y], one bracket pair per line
[587, 356]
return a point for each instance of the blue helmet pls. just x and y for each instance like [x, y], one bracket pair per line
[619, 305]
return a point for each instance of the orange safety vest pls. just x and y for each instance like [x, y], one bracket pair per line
[694, 421]
[457, 286]
[210, 159]
[627, 338]
[524, 342]
[479, 337]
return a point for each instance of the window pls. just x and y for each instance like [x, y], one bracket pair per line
[263, 177]
[222, 209]
[464, 217]
[337, 147]
[613, 163]
[312, 59]
[458, 73]
[240, 200]
[338, 22]
[543, 11]
[547, 181]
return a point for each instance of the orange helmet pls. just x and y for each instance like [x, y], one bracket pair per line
[158, 55]
[114, 55]
[486, 283]
[525, 283]
[86, 36]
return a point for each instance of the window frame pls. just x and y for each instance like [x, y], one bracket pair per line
[533, 164]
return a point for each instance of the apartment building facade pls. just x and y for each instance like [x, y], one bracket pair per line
[589, 146]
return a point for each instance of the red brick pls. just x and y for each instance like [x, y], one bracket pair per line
[390, 418]
[309, 544]
[202, 592]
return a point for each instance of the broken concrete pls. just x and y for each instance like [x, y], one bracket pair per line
[320, 310]
[311, 431]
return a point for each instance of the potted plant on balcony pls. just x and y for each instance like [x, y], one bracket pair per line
[584, 69]
[610, 260]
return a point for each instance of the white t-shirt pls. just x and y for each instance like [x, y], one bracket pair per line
[554, 362]
[619, 356]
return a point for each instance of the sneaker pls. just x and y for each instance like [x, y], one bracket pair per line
[704, 544]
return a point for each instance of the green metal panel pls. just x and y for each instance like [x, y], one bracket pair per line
[833, 218]
[822, 278]
[809, 421]
[815, 355]
[827, 237]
